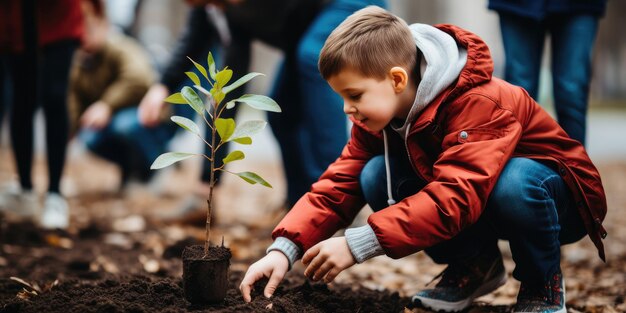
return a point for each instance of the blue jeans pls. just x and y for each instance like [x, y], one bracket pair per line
[572, 39]
[530, 206]
[129, 144]
[312, 128]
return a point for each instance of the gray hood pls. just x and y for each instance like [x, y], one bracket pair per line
[442, 62]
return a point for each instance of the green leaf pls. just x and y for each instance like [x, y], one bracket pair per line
[247, 129]
[186, 124]
[253, 178]
[200, 68]
[234, 156]
[169, 158]
[211, 64]
[260, 102]
[240, 82]
[176, 98]
[225, 127]
[243, 140]
[230, 104]
[194, 78]
[193, 99]
[223, 77]
[217, 94]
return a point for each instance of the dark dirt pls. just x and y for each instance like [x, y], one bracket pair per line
[120, 256]
[85, 284]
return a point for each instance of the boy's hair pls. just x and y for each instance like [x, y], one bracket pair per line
[370, 41]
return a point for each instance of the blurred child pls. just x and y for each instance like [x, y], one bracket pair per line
[109, 76]
[450, 159]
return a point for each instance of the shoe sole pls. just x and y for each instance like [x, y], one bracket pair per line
[441, 305]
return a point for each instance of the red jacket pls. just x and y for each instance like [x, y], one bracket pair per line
[502, 121]
[56, 20]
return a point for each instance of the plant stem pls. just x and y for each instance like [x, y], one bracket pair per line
[211, 186]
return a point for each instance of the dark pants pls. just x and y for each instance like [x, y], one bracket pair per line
[47, 86]
[530, 206]
[572, 37]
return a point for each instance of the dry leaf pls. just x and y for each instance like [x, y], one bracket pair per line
[60, 242]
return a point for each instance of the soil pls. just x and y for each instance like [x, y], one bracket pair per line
[119, 256]
[83, 288]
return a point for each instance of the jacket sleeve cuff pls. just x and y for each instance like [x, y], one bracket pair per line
[287, 247]
[363, 243]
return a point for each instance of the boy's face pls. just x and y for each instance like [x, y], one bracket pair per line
[373, 102]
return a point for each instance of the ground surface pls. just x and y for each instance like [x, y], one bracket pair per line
[120, 256]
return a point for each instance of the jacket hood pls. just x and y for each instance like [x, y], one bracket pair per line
[440, 64]
[478, 70]
[453, 61]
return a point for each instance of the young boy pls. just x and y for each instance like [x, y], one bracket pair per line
[450, 159]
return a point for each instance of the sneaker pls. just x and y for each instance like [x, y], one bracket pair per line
[547, 298]
[463, 282]
[56, 212]
[23, 204]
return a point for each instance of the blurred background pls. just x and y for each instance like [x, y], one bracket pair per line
[157, 24]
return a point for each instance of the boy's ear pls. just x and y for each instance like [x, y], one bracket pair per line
[399, 77]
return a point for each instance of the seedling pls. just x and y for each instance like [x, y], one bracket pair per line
[223, 130]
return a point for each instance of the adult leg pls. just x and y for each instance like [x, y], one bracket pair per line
[141, 145]
[317, 126]
[573, 37]
[23, 68]
[523, 40]
[105, 144]
[56, 63]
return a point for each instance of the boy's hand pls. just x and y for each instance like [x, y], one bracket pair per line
[273, 266]
[327, 259]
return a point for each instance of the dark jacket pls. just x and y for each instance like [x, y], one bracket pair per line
[540, 9]
[279, 23]
[498, 121]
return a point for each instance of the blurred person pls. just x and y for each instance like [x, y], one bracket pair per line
[38, 39]
[311, 130]
[109, 76]
[572, 25]
[451, 159]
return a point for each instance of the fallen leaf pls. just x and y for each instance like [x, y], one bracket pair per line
[130, 224]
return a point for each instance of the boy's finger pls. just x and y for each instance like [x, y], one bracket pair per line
[310, 254]
[330, 276]
[321, 272]
[273, 283]
[314, 265]
[246, 284]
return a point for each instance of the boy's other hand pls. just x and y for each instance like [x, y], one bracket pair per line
[273, 266]
[151, 105]
[327, 259]
[97, 116]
